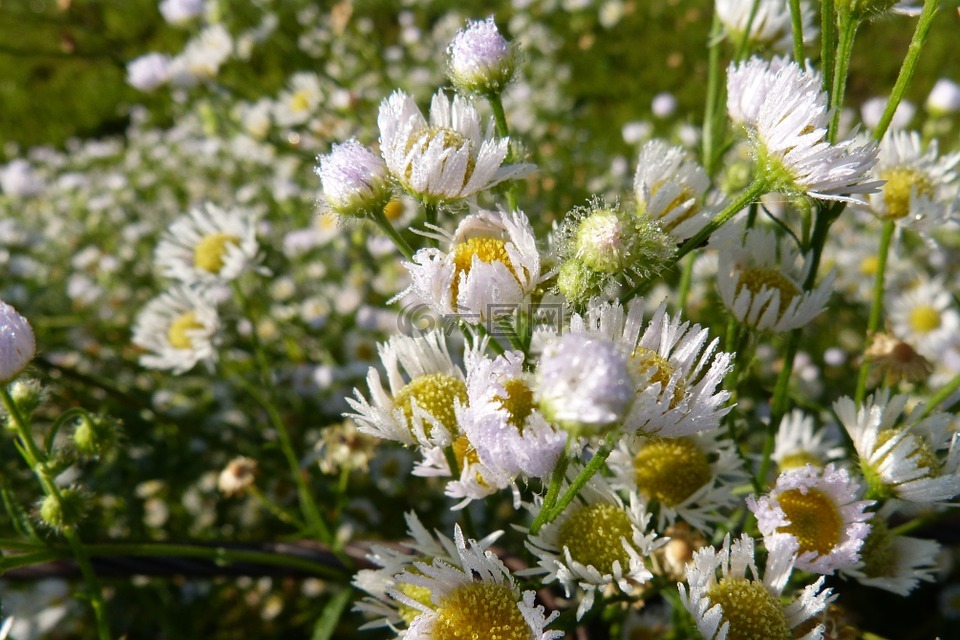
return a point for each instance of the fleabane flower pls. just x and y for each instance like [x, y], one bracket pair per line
[491, 265]
[480, 60]
[597, 543]
[926, 315]
[669, 187]
[900, 457]
[149, 71]
[178, 329]
[424, 387]
[17, 343]
[893, 562]
[738, 604]
[424, 546]
[921, 190]
[786, 114]
[447, 158]
[300, 101]
[355, 180]
[798, 443]
[770, 23]
[474, 597]
[690, 478]
[209, 244]
[760, 278]
[820, 509]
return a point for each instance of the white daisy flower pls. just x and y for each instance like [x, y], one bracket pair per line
[491, 265]
[355, 180]
[208, 245]
[17, 343]
[675, 374]
[300, 101]
[786, 114]
[670, 187]
[177, 328]
[759, 279]
[597, 543]
[476, 597]
[202, 57]
[385, 610]
[424, 386]
[900, 459]
[798, 443]
[690, 478]
[892, 562]
[921, 190]
[771, 26]
[480, 59]
[736, 605]
[446, 159]
[926, 317]
[820, 510]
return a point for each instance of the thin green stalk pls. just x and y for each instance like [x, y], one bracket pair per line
[500, 121]
[942, 394]
[430, 211]
[553, 489]
[279, 512]
[876, 306]
[745, 36]
[908, 67]
[588, 471]
[380, 218]
[37, 461]
[711, 123]
[828, 37]
[686, 279]
[848, 33]
[796, 20]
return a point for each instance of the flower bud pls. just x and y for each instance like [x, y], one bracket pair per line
[355, 180]
[95, 435]
[26, 395]
[67, 511]
[480, 59]
[17, 343]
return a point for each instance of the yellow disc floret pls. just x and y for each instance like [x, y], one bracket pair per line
[669, 470]
[755, 279]
[799, 459]
[901, 182]
[647, 363]
[211, 250]
[416, 592]
[752, 611]
[814, 520]
[480, 611]
[592, 534]
[924, 319]
[177, 333]
[518, 402]
[434, 393]
[878, 553]
[486, 249]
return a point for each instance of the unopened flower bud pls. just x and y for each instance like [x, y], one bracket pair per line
[63, 512]
[481, 60]
[576, 281]
[26, 395]
[17, 343]
[355, 180]
[95, 435]
[237, 476]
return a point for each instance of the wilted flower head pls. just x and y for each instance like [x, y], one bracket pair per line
[355, 180]
[893, 361]
[481, 60]
[17, 343]
[237, 476]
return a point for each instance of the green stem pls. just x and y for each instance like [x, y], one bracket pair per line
[745, 36]
[38, 463]
[279, 512]
[828, 36]
[711, 123]
[553, 489]
[942, 394]
[876, 306]
[686, 279]
[588, 471]
[796, 19]
[380, 218]
[500, 121]
[908, 67]
[848, 33]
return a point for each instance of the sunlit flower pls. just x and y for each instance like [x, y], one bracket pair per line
[355, 180]
[926, 316]
[770, 22]
[798, 443]
[819, 508]
[177, 329]
[738, 603]
[670, 187]
[480, 59]
[447, 158]
[17, 343]
[300, 101]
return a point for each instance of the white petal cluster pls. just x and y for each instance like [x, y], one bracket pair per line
[669, 187]
[178, 329]
[798, 443]
[771, 24]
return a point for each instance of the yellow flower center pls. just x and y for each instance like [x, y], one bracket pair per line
[669, 470]
[415, 592]
[799, 459]
[210, 251]
[752, 611]
[480, 611]
[648, 364]
[755, 279]
[869, 265]
[592, 534]
[393, 210]
[878, 552]
[518, 402]
[901, 181]
[434, 394]
[486, 249]
[924, 319]
[177, 333]
[450, 139]
[300, 101]
[814, 520]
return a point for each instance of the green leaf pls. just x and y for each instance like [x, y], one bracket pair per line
[331, 615]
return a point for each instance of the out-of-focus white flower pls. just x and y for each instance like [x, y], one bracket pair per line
[893, 562]
[209, 244]
[18, 179]
[786, 114]
[239, 474]
[944, 98]
[771, 26]
[149, 71]
[177, 329]
[664, 105]
[202, 57]
[670, 186]
[738, 605]
[926, 316]
[447, 158]
[819, 508]
[181, 11]
[300, 101]
[872, 110]
[480, 59]
[798, 444]
[17, 343]
[355, 180]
